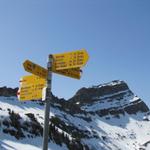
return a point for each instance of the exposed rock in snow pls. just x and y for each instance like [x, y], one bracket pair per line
[103, 117]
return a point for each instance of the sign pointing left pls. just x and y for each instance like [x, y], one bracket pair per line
[39, 71]
[35, 69]
[31, 87]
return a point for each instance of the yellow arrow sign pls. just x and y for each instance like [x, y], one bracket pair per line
[31, 88]
[74, 59]
[42, 72]
[35, 69]
[73, 73]
[29, 93]
[31, 79]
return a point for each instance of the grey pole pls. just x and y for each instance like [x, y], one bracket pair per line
[47, 104]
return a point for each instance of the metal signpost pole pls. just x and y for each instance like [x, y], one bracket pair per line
[47, 104]
[67, 64]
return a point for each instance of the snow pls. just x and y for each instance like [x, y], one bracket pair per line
[8, 142]
[77, 103]
[106, 101]
[23, 145]
[148, 147]
[113, 83]
[129, 132]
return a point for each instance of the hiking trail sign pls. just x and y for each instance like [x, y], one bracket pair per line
[35, 69]
[68, 64]
[31, 88]
[69, 60]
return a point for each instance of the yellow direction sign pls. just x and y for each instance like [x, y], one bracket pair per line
[42, 72]
[74, 59]
[31, 88]
[35, 69]
[73, 73]
[31, 79]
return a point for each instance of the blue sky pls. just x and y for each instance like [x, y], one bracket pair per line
[116, 34]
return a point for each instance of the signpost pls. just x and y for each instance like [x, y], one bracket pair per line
[68, 64]
[31, 79]
[35, 69]
[30, 92]
[42, 72]
[69, 60]
[47, 103]
[31, 88]
[72, 73]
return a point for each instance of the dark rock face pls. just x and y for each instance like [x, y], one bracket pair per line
[114, 92]
[85, 95]
[4, 91]
[136, 107]
[111, 111]
[132, 108]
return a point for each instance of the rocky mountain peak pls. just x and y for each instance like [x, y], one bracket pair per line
[106, 116]
[86, 95]
[5, 91]
[113, 98]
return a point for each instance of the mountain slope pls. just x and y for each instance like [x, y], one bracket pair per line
[104, 117]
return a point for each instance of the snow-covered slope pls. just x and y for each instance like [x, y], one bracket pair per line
[104, 117]
[18, 129]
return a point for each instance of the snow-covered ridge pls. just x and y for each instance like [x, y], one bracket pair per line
[86, 95]
[103, 118]
[112, 83]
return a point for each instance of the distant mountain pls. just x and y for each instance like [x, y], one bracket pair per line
[5, 91]
[104, 117]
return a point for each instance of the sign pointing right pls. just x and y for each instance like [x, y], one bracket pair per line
[72, 73]
[69, 60]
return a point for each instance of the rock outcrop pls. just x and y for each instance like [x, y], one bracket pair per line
[5, 91]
